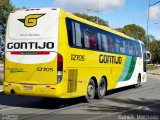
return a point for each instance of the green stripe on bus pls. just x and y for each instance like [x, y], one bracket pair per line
[125, 69]
[131, 68]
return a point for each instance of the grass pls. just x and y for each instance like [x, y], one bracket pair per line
[152, 67]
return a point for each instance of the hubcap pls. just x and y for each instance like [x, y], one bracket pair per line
[102, 89]
[90, 91]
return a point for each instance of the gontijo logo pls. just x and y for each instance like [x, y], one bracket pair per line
[31, 20]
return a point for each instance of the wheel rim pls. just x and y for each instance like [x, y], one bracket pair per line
[102, 88]
[90, 91]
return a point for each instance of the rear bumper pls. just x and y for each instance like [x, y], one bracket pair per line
[33, 90]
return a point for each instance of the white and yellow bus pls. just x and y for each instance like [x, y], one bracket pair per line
[50, 52]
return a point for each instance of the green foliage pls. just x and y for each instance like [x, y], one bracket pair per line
[92, 19]
[5, 8]
[154, 48]
[134, 31]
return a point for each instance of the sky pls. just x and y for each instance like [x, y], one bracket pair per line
[117, 12]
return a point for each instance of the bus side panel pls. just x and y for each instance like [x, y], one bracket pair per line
[91, 67]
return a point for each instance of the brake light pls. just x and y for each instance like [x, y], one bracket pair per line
[59, 68]
[60, 63]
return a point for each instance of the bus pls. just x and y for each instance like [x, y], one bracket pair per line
[52, 53]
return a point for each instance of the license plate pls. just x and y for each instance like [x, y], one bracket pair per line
[28, 87]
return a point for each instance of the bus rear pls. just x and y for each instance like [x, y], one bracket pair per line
[32, 63]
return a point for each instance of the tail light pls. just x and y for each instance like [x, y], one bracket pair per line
[59, 68]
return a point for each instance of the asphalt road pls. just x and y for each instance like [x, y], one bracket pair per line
[123, 104]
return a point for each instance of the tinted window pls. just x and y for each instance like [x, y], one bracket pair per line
[99, 42]
[70, 29]
[110, 43]
[84, 36]
[90, 37]
[78, 35]
[122, 46]
[104, 42]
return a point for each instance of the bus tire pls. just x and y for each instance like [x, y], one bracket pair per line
[90, 91]
[101, 89]
[138, 82]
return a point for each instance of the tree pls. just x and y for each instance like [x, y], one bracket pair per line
[154, 48]
[92, 18]
[134, 31]
[5, 8]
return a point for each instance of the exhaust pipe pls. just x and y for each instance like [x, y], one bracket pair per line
[13, 92]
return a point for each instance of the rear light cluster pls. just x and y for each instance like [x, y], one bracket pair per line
[59, 68]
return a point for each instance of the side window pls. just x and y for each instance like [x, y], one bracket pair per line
[104, 42]
[133, 48]
[70, 30]
[117, 45]
[92, 41]
[78, 35]
[90, 38]
[74, 33]
[122, 46]
[130, 48]
[110, 44]
[139, 50]
[126, 47]
[99, 41]
[86, 38]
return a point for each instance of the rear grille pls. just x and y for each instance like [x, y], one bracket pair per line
[72, 80]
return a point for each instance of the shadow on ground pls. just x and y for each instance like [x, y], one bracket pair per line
[35, 102]
[128, 107]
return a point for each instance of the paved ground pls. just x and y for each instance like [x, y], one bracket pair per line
[123, 104]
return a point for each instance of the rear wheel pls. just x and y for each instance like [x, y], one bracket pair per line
[90, 91]
[101, 89]
[138, 82]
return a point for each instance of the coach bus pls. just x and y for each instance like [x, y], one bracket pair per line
[49, 52]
